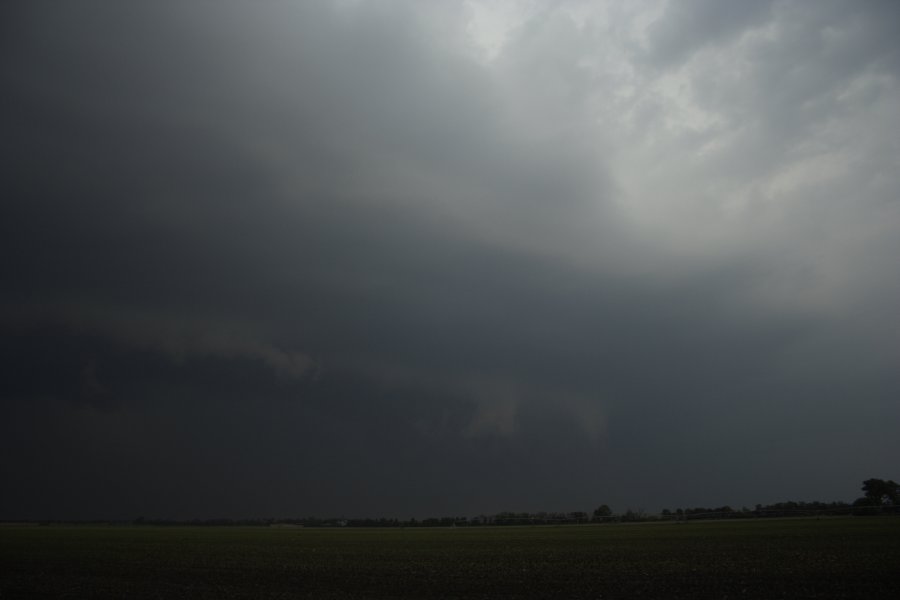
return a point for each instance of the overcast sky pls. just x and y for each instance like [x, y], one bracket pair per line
[446, 258]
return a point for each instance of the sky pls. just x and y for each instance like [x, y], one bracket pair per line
[398, 258]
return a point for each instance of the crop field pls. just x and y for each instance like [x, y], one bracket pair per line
[803, 558]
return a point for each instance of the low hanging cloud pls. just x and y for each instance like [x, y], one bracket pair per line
[179, 339]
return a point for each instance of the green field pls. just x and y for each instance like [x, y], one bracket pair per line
[811, 558]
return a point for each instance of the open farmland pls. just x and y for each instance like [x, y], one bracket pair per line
[827, 558]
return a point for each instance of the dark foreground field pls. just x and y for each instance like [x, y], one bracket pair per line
[828, 558]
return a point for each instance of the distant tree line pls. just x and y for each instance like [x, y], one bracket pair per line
[880, 497]
[779, 509]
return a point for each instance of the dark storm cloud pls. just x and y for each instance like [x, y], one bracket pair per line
[321, 258]
[685, 27]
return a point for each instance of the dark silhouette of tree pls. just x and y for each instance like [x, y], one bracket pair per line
[880, 492]
[632, 516]
[602, 513]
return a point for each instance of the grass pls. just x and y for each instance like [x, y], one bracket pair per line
[802, 558]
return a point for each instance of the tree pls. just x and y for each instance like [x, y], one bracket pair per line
[603, 513]
[632, 516]
[880, 492]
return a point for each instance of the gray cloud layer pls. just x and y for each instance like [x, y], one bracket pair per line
[404, 258]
